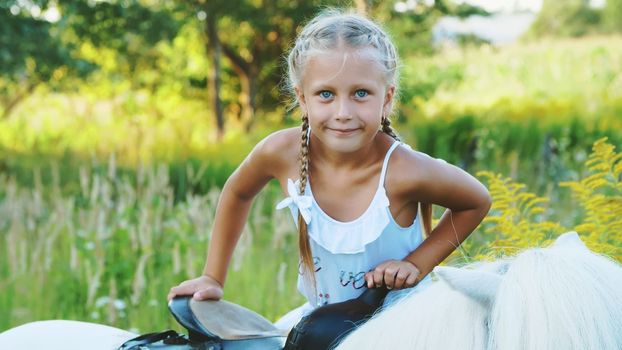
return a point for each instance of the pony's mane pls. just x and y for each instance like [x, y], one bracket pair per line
[559, 297]
[414, 321]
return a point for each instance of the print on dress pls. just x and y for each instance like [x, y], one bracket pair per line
[323, 299]
[356, 279]
[316, 264]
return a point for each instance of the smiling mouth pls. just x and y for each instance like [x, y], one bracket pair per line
[343, 131]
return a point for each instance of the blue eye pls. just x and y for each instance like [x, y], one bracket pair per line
[361, 93]
[326, 94]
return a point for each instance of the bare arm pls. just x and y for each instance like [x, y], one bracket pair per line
[467, 202]
[261, 165]
[231, 214]
[428, 180]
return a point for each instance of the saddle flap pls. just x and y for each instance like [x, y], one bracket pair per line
[220, 319]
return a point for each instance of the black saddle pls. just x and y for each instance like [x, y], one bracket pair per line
[221, 325]
[212, 325]
[326, 326]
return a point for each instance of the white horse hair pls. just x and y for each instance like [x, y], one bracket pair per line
[561, 297]
[63, 334]
[565, 297]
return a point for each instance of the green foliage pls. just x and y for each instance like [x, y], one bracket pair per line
[38, 57]
[574, 18]
[411, 30]
[110, 252]
[121, 26]
[130, 42]
[566, 18]
[612, 16]
[520, 219]
[516, 219]
[600, 196]
[37, 46]
[523, 107]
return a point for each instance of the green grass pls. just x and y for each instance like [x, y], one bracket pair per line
[110, 253]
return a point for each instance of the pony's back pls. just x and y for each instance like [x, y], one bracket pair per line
[558, 298]
[435, 318]
[63, 334]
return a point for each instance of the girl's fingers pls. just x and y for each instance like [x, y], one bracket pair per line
[369, 278]
[209, 293]
[400, 279]
[180, 290]
[378, 277]
[172, 293]
[389, 277]
[393, 274]
[411, 280]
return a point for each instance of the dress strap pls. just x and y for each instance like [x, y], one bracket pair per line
[385, 164]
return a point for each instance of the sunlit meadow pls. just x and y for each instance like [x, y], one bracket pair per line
[103, 207]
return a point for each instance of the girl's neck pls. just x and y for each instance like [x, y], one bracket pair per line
[367, 155]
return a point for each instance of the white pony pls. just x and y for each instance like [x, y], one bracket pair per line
[65, 335]
[561, 297]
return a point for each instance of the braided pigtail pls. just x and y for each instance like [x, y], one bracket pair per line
[387, 129]
[308, 268]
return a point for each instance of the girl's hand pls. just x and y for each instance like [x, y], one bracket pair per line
[201, 288]
[394, 274]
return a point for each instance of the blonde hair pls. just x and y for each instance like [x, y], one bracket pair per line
[331, 30]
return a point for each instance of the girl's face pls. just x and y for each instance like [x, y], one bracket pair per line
[345, 94]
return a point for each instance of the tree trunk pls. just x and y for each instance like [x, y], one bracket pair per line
[10, 105]
[247, 72]
[215, 49]
[248, 98]
[252, 101]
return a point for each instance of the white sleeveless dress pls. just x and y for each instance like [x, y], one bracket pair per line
[344, 251]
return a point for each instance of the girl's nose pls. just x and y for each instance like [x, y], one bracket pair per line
[344, 111]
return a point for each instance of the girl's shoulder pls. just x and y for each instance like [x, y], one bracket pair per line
[415, 174]
[279, 150]
[409, 169]
[280, 143]
[407, 158]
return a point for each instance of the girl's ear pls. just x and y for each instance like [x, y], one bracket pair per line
[301, 98]
[388, 99]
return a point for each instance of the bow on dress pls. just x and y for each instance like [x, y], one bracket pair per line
[297, 201]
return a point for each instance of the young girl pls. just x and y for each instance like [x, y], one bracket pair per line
[353, 188]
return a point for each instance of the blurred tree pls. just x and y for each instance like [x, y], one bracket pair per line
[134, 41]
[253, 36]
[411, 22]
[130, 29]
[31, 53]
[565, 18]
[51, 52]
[214, 49]
[612, 16]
